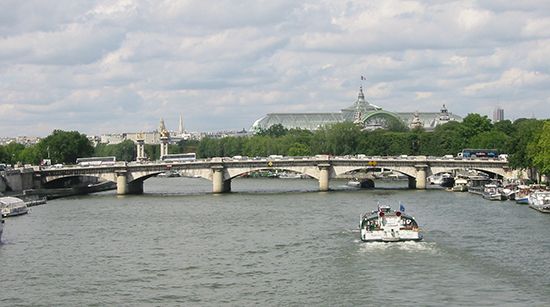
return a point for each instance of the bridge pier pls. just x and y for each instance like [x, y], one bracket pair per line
[219, 185]
[324, 177]
[421, 176]
[121, 183]
[123, 187]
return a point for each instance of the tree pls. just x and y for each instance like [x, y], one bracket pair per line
[276, 130]
[525, 132]
[505, 126]
[13, 151]
[474, 124]
[446, 139]
[299, 149]
[64, 146]
[343, 138]
[490, 139]
[539, 150]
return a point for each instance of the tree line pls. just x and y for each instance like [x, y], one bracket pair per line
[526, 141]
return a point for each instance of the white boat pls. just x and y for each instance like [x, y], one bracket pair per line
[386, 225]
[439, 179]
[12, 206]
[493, 192]
[461, 185]
[361, 183]
[290, 175]
[476, 184]
[522, 195]
[540, 200]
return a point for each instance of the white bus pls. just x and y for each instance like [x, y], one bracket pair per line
[96, 161]
[190, 156]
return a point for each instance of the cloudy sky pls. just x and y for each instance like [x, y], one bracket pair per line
[121, 65]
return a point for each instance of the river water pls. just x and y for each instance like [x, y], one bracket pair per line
[272, 242]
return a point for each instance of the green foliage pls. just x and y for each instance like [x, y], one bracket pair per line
[446, 139]
[493, 139]
[526, 130]
[276, 130]
[539, 149]
[474, 124]
[185, 146]
[396, 125]
[342, 138]
[299, 149]
[13, 152]
[152, 152]
[124, 151]
[64, 147]
[505, 126]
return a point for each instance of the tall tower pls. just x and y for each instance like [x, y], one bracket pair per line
[180, 126]
[498, 115]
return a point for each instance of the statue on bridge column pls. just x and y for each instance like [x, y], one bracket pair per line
[140, 152]
[164, 139]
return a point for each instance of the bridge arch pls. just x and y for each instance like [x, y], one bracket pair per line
[300, 170]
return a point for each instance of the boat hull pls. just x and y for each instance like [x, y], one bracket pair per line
[540, 201]
[494, 196]
[390, 236]
[15, 212]
[522, 200]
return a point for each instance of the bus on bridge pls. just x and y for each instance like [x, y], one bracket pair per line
[95, 161]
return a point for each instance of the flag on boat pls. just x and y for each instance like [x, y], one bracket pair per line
[401, 208]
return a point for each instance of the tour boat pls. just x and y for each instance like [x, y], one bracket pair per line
[361, 183]
[476, 184]
[12, 206]
[493, 192]
[290, 175]
[522, 195]
[540, 200]
[460, 185]
[386, 225]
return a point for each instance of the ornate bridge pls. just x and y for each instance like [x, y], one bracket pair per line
[130, 176]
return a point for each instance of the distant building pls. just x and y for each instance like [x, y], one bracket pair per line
[367, 115]
[23, 140]
[498, 115]
[152, 137]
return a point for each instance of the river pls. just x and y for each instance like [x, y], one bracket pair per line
[272, 242]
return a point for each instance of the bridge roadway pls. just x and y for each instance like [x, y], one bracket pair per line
[130, 176]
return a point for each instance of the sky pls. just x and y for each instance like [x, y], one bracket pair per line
[121, 65]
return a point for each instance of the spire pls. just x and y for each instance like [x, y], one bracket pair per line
[180, 127]
[359, 106]
[444, 116]
[361, 96]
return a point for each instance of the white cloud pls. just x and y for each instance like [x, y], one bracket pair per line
[511, 79]
[114, 66]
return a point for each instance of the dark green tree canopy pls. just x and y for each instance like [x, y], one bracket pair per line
[64, 147]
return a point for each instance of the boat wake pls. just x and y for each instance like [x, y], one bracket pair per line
[408, 246]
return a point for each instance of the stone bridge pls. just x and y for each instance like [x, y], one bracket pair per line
[130, 176]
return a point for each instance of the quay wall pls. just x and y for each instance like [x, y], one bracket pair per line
[16, 180]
